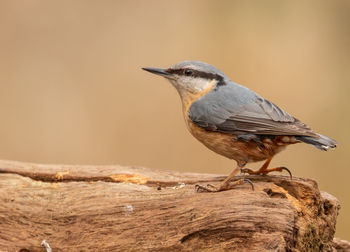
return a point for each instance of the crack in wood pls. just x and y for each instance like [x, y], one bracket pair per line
[113, 178]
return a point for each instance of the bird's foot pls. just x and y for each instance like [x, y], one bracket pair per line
[224, 186]
[266, 171]
[207, 188]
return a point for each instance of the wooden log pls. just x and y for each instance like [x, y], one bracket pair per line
[115, 208]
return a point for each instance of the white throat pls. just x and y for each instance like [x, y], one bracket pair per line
[192, 88]
[186, 85]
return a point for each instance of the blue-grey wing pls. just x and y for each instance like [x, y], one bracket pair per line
[236, 109]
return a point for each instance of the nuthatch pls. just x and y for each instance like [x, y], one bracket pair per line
[233, 121]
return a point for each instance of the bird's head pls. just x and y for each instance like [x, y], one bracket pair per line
[191, 78]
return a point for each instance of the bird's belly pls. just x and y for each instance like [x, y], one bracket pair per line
[229, 146]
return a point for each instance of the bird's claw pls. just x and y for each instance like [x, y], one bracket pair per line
[207, 188]
[287, 170]
[264, 172]
[249, 182]
[224, 187]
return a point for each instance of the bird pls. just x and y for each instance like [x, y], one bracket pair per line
[234, 121]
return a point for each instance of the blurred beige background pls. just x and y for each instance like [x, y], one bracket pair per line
[72, 91]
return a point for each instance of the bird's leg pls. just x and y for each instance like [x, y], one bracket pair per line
[226, 185]
[264, 170]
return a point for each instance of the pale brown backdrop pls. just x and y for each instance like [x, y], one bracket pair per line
[71, 88]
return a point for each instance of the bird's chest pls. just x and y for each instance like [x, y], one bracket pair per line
[218, 142]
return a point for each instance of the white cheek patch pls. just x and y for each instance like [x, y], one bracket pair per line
[196, 85]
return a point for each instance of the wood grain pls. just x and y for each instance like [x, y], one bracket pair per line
[115, 208]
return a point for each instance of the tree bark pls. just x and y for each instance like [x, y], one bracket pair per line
[115, 208]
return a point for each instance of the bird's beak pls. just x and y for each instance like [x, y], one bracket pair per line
[158, 71]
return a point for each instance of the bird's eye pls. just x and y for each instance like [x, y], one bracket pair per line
[188, 72]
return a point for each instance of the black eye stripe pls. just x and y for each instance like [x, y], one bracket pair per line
[196, 73]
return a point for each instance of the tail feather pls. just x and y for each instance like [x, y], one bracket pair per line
[322, 143]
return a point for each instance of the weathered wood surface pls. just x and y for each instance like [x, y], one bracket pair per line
[114, 208]
[341, 245]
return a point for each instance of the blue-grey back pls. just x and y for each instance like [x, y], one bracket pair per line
[234, 108]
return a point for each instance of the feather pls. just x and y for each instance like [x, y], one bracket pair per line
[236, 109]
